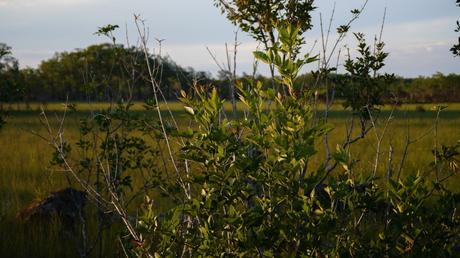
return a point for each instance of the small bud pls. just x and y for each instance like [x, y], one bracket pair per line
[189, 110]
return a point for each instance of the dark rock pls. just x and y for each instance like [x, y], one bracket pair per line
[67, 204]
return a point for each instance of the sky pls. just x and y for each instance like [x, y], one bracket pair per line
[418, 33]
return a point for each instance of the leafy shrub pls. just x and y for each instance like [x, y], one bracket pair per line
[247, 187]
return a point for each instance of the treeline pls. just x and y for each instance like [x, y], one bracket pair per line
[102, 72]
[437, 88]
[423, 89]
[108, 72]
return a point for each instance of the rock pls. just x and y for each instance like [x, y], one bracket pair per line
[67, 204]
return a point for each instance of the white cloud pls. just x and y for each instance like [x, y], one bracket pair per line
[413, 36]
[31, 58]
[416, 47]
[33, 3]
[198, 57]
[421, 47]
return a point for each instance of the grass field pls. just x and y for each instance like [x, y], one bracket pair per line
[25, 159]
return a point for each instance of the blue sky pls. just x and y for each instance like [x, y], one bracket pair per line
[418, 33]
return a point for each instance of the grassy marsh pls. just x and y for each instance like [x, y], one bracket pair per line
[25, 158]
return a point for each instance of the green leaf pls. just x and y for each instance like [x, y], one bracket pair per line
[261, 56]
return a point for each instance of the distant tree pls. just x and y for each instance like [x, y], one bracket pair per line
[31, 86]
[109, 72]
[9, 78]
[456, 48]
[5, 51]
[93, 71]
[9, 75]
[7, 61]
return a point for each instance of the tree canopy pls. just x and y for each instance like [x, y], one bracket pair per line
[101, 72]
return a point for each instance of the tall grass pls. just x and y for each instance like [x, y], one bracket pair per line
[25, 173]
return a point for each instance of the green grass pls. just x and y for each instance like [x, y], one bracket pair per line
[25, 173]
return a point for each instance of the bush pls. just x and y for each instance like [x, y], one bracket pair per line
[246, 187]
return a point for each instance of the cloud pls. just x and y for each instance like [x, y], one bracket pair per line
[33, 3]
[421, 47]
[418, 47]
[198, 57]
[31, 58]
